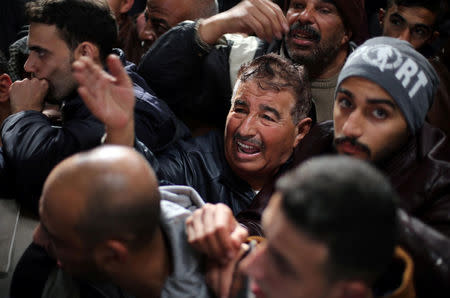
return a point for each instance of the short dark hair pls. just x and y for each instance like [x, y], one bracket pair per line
[435, 6]
[350, 207]
[133, 220]
[278, 73]
[78, 21]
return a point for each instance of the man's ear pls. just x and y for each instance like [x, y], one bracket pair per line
[87, 48]
[434, 35]
[303, 128]
[111, 255]
[126, 5]
[347, 36]
[5, 83]
[381, 14]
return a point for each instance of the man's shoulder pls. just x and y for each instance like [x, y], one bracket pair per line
[317, 142]
[434, 145]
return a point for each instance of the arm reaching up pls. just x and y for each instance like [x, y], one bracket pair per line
[110, 97]
[262, 17]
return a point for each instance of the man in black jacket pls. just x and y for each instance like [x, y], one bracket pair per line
[61, 32]
[267, 120]
[384, 91]
[193, 66]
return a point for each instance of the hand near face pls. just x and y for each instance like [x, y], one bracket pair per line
[28, 94]
[262, 17]
[110, 97]
[214, 231]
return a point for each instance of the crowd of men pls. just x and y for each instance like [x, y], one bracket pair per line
[230, 149]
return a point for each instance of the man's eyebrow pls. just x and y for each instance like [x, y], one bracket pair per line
[36, 48]
[270, 109]
[240, 102]
[397, 15]
[160, 21]
[422, 26]
[382, 101]
[346, 92]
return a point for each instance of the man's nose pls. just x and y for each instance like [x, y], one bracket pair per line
[306, 16]
[248, 126]
[405, 35]
[30, 64]
[353, 125]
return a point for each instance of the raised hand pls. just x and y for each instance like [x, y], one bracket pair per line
[110, 97]
[262, 17]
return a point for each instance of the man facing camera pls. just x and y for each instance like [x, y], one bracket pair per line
[267, 119]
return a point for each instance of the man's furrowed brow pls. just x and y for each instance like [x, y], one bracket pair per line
[271, 110]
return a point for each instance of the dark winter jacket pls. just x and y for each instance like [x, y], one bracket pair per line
[32, 146]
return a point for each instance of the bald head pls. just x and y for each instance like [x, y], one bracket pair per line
[109, 192]
[165, 14]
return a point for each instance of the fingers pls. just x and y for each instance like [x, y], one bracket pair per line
[265, 19]
[211, 230]
[292, 18]
[118, 71]
[276, 23]
[238, 236]
[224, 226]
[88, 73]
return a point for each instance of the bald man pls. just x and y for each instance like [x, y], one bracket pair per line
[102, 219]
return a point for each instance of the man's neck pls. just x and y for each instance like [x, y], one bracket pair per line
[153, 269]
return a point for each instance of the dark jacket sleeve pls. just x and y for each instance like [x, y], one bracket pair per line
[171, 166]
[155, 123]
[32, 147]
[192, 80]
[430, 251]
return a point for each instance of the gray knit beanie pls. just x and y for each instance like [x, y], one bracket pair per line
[404, 73]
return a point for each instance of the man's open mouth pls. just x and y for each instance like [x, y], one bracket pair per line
[247, 148]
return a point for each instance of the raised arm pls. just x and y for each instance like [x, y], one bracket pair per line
[110, 97]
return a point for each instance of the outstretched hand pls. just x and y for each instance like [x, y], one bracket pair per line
[110, 97]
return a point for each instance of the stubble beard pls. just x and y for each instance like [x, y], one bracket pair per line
[318, 58]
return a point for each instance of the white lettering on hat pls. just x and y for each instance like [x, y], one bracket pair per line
[383, 57]
[386, 57]
[407, 71]
[421, 82]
